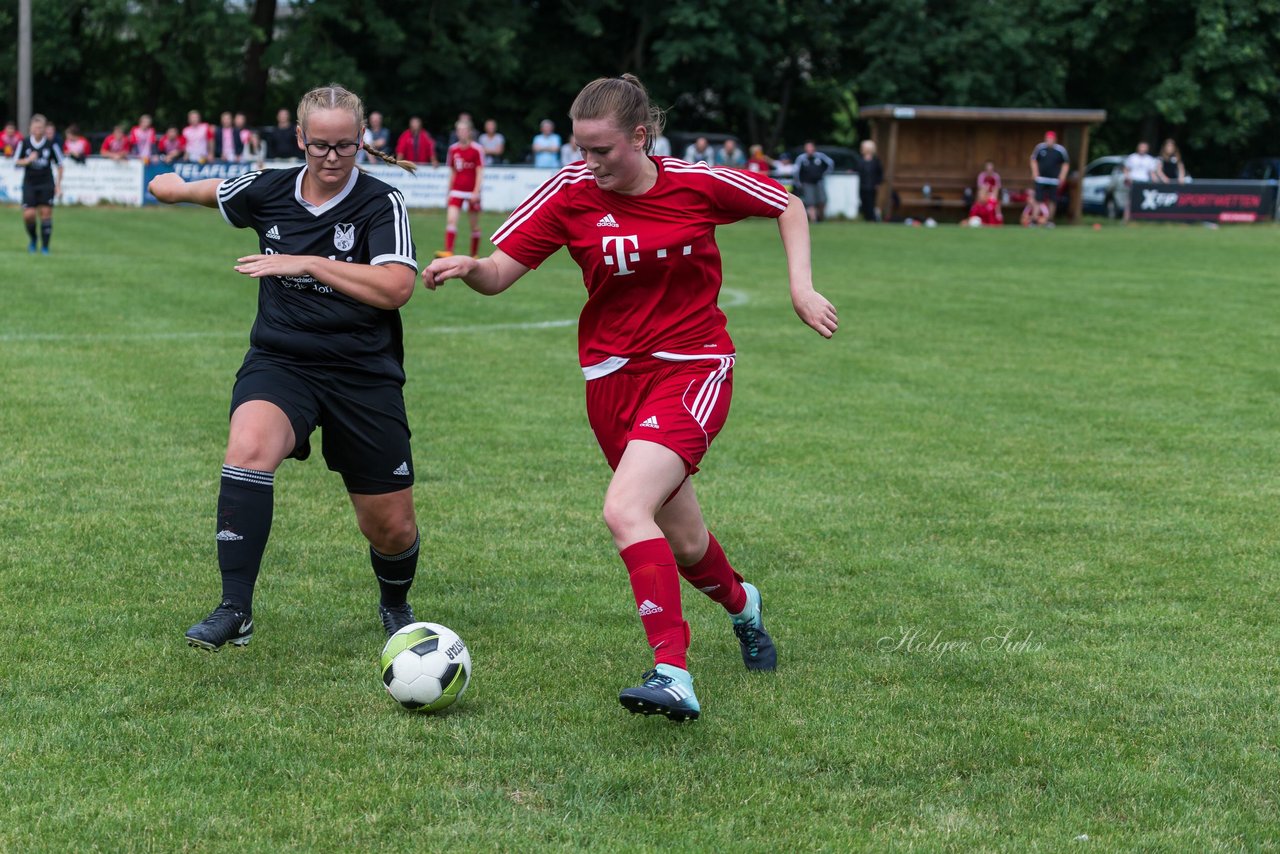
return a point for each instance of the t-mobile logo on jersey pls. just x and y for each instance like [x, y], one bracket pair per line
[618, 244]
[617, 252]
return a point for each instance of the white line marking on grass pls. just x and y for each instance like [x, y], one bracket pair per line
[730, 297]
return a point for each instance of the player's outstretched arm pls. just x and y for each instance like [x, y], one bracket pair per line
[384, 286]
[170, 188]
[488, 276]
[812, 307]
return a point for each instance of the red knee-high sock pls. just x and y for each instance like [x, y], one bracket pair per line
[715, 577]
[656, 586]
[475, 243]
[450, 235]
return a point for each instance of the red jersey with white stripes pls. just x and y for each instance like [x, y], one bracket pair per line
[464, 160]
[650, 262]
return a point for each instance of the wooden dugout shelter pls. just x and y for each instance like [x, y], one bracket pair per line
[944, 148]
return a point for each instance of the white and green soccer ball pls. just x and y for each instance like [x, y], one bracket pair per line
[426, 666]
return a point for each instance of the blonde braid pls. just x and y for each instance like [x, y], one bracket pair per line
[390, 159]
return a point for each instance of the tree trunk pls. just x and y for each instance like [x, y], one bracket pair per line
[254, 89]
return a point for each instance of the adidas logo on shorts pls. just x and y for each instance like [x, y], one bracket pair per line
[651, 421]
[647, 607]
[402, 470]
[273, 233]
[607, 221]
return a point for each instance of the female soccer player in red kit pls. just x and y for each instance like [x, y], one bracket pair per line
[654, 350]
[466, 168]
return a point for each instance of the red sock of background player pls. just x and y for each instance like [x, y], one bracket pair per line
[656, 585]
[715, 577]
[475, 243]
[450, 235]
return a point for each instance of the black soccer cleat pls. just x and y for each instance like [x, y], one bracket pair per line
[666, 690]
[395, 617]
[758, 651]
[229, 623]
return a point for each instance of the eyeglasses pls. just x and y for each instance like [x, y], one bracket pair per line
[321, 149]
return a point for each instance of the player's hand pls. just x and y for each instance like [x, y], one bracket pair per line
[819, 314]
[441, 270]
[166, 187]
[258, 266]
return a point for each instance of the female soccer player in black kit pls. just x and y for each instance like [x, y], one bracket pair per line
[41, 183]
[335, 263]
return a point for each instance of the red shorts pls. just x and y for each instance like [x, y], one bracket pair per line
[458, 197]
[679, 405]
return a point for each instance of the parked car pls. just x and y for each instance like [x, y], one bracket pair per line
[1261, 169]
[1102, 189]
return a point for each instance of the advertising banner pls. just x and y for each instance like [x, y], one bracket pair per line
[99, 180]
[1204, 201]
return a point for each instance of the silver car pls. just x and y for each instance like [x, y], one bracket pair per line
[1102, 188]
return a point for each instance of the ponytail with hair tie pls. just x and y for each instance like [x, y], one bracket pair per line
[390, 159]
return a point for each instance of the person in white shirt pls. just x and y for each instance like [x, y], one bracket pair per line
[1139, 167]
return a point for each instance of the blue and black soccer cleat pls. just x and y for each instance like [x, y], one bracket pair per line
[666, 690]
[229, 623]
[758, 651]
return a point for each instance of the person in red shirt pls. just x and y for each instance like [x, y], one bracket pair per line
[9, 139]
[466, 170]
[654, 350]
[142, 138]
[416, 145]
[115, 146]
[989, 180]
[987, 208]
[172, 145]
[758, 162]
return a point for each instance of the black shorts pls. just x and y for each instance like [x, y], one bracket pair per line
[365, 432]
[1046, 192]
[37, 195]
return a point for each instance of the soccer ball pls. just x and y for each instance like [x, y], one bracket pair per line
[426, 666]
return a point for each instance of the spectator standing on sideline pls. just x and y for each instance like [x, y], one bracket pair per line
[812, 167]
[116, 145]
[416, 145]
[546, 146]
[1049, 164]
[1172, 170]
[282, 144]
[197, 138]
[989, 180]
[463, 118]
[9, 139]
[76, 146]
[493, 143]
[376, 136]
[759, 162]
[661, 146]
[700, 151]
[171, 146]
[228, 145]
[42, 159]
[1139, 167]
[870, 177]
[568, 153]
[731, 155]
[142, 138]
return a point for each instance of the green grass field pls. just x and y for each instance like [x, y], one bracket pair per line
[1015, 527]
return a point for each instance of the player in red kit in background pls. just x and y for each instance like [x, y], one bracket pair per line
[466, 170]
[654, 351]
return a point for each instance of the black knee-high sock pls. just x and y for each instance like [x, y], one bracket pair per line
[31, 230]
[244, 522]
[46, 232]
[395, 572]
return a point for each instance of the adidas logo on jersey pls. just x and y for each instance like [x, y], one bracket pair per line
[229, 536]
[273, 233]
[647, 607]
[403, 469]
[607, 221]
[651, 421]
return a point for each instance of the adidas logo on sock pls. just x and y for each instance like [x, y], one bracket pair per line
[273, 233]
[647, 607]
[607, 221]
[229, 536]
[403, 469]
[651, 421]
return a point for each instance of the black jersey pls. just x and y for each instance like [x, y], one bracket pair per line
[1049, 157]
[48, 155]
[301, 320]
